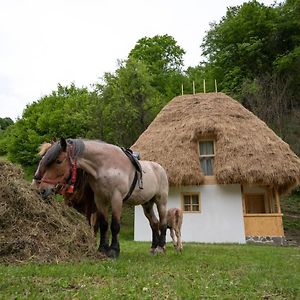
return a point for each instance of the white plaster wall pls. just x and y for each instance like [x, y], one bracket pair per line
[220, 220]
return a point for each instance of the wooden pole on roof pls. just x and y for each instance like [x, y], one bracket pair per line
[204, 87]
[216, 86]
[193, 87]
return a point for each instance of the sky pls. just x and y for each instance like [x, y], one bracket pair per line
[44, 43]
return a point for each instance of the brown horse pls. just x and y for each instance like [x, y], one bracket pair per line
[174, 223]
[81, 198]
[113, 179]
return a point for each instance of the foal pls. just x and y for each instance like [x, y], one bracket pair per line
[174, 223]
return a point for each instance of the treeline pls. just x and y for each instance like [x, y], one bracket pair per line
[253, 53]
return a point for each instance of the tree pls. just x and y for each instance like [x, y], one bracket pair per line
[254, 51]
[5, 122]
[164, 60]
[67, 112]
[243, 44]
[128, 102]
[5, 126]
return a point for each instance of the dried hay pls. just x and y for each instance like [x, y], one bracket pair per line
[247, 151]
[34, 230]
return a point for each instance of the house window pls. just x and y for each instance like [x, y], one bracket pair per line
[207, 154]
[255, 204]
[191, 202]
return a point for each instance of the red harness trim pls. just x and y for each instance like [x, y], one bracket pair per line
[73, 178]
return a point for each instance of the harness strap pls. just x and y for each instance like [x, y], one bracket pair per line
[136, 164]
[132, 186]
[71, 153]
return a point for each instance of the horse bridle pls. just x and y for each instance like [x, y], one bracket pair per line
[66, 182]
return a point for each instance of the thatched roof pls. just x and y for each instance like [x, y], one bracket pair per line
[247, 150]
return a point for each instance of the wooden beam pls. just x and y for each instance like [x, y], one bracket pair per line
[278, 201]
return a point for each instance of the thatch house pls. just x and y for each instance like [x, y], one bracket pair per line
[226, 169]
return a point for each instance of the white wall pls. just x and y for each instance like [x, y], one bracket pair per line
[220, 220]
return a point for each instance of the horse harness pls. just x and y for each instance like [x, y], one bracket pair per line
[134, 158]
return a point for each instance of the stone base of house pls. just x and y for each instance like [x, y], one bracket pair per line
[273, 240]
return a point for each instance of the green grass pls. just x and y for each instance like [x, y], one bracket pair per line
[200, 272]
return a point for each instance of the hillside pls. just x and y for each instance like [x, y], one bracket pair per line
[290, 207]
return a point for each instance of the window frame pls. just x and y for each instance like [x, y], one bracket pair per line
[190, 194]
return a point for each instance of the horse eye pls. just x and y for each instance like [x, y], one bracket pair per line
[58, 161]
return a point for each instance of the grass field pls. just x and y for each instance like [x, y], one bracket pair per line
[200, 272]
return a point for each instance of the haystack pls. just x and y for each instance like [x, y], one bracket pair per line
[247, 150]
[34, 230]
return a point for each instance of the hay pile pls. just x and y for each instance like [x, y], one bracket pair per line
[34, 230]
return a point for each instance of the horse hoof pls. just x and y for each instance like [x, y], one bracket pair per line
[103, 249]
[112, 253]
[152, 251]
[160, 250]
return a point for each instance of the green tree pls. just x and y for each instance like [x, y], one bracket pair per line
[164, 60]
[254, 52]
[242, 45]
[5, 122]
[128, 102]
[67, 112]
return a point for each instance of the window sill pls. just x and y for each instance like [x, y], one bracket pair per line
[210, 180]
[264, 215]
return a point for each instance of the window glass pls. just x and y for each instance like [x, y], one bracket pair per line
[191, 202]
[206, 149]
[207, 165]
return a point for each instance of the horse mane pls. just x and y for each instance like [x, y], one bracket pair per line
[78, 144]
[51, 152]
[43, 148]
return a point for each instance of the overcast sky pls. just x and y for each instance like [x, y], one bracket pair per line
[46, 42]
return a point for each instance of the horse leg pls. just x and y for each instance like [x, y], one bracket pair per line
[114, 249]
[94, 222]
[172, 234]
[103, 225]
[162, 211]
[154, 224]
[179, 243]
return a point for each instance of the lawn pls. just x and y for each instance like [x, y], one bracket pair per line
[200, 272]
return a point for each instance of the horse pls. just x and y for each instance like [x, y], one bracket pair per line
[114, 178]
[174, 223]
[81, 198]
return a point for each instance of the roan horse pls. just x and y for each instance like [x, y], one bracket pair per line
[113, 179]
[80, 198]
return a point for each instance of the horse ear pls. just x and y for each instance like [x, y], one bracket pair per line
[53, 140]
[63, 144]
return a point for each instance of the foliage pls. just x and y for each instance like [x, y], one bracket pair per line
[164, 61]
[128, 102]
[5, 122]
[67, 112]
[200, 272]
[242, 44]
[253, 52]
